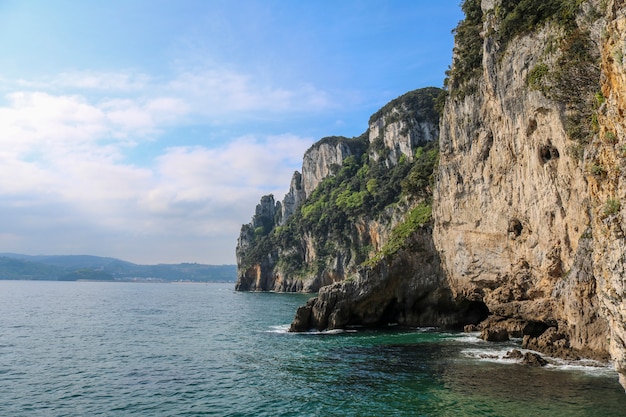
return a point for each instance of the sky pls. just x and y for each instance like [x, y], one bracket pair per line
[148, 130]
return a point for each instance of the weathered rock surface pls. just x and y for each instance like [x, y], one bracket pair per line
[323, 159]
[293, 199]
[527, 358]
[533, 359]
[521, 198]
[608, 191]
[396, 130]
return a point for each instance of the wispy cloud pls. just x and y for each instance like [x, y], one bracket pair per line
[220, 92]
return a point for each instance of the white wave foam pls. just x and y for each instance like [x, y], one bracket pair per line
[470, 337]
[284, 329]
[490, 355]
[281, 328]
[426, 329]
[587, 366]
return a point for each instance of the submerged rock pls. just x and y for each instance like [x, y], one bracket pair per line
[514, 354]
[527, 358]
[533, 359]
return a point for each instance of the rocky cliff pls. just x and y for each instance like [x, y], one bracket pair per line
[608, 190]
[343, 207]
[527, 202]
[527, 232]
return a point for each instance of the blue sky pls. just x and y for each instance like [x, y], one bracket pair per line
[149, 130]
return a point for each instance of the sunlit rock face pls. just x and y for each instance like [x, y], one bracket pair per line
[608, 190]
[528, 214]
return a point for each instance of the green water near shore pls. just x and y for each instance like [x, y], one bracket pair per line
[126, 349]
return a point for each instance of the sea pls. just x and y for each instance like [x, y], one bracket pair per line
[156, 349]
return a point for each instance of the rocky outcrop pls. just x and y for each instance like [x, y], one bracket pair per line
[293, 199]
[407, 289]
[529, 358]
[264, 219]
[403, 125]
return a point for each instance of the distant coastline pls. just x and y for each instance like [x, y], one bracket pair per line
[94, 268]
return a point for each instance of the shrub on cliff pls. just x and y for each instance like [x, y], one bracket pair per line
[468, 49]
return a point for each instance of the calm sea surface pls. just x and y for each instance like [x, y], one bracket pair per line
[126, 349]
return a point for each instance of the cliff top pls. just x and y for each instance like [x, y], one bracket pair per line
[420, 103]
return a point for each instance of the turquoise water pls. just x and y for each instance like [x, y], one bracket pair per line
[127, 349]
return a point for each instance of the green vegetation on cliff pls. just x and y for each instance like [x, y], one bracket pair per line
[401, 234]
[516, 18]
[573, 78]
[363, 189]
[418, 105]
[468, 50]
[331, 228]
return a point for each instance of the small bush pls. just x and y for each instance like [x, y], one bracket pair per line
[537, 77]
[610, 138]
[612, 207]
[597, 170]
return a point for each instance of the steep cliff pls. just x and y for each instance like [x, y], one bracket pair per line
[406, 287]
[527, 202]
[343, 207]
[608, 191]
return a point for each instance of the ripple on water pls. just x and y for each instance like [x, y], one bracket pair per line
[77, 349]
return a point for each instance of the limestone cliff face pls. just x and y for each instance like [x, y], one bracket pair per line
[324, 158]
[311, 239]
[293, 199]
[526, 208]
[608, 190]
[406, 123]
[528, 204]
[264, 219]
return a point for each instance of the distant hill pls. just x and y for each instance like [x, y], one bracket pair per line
[15, 266]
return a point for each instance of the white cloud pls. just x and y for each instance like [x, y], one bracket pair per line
[35, 121]
[126, 104]
[191, 194]
[192, 173]
[142, 117]
[122, 81]
[67, 183]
